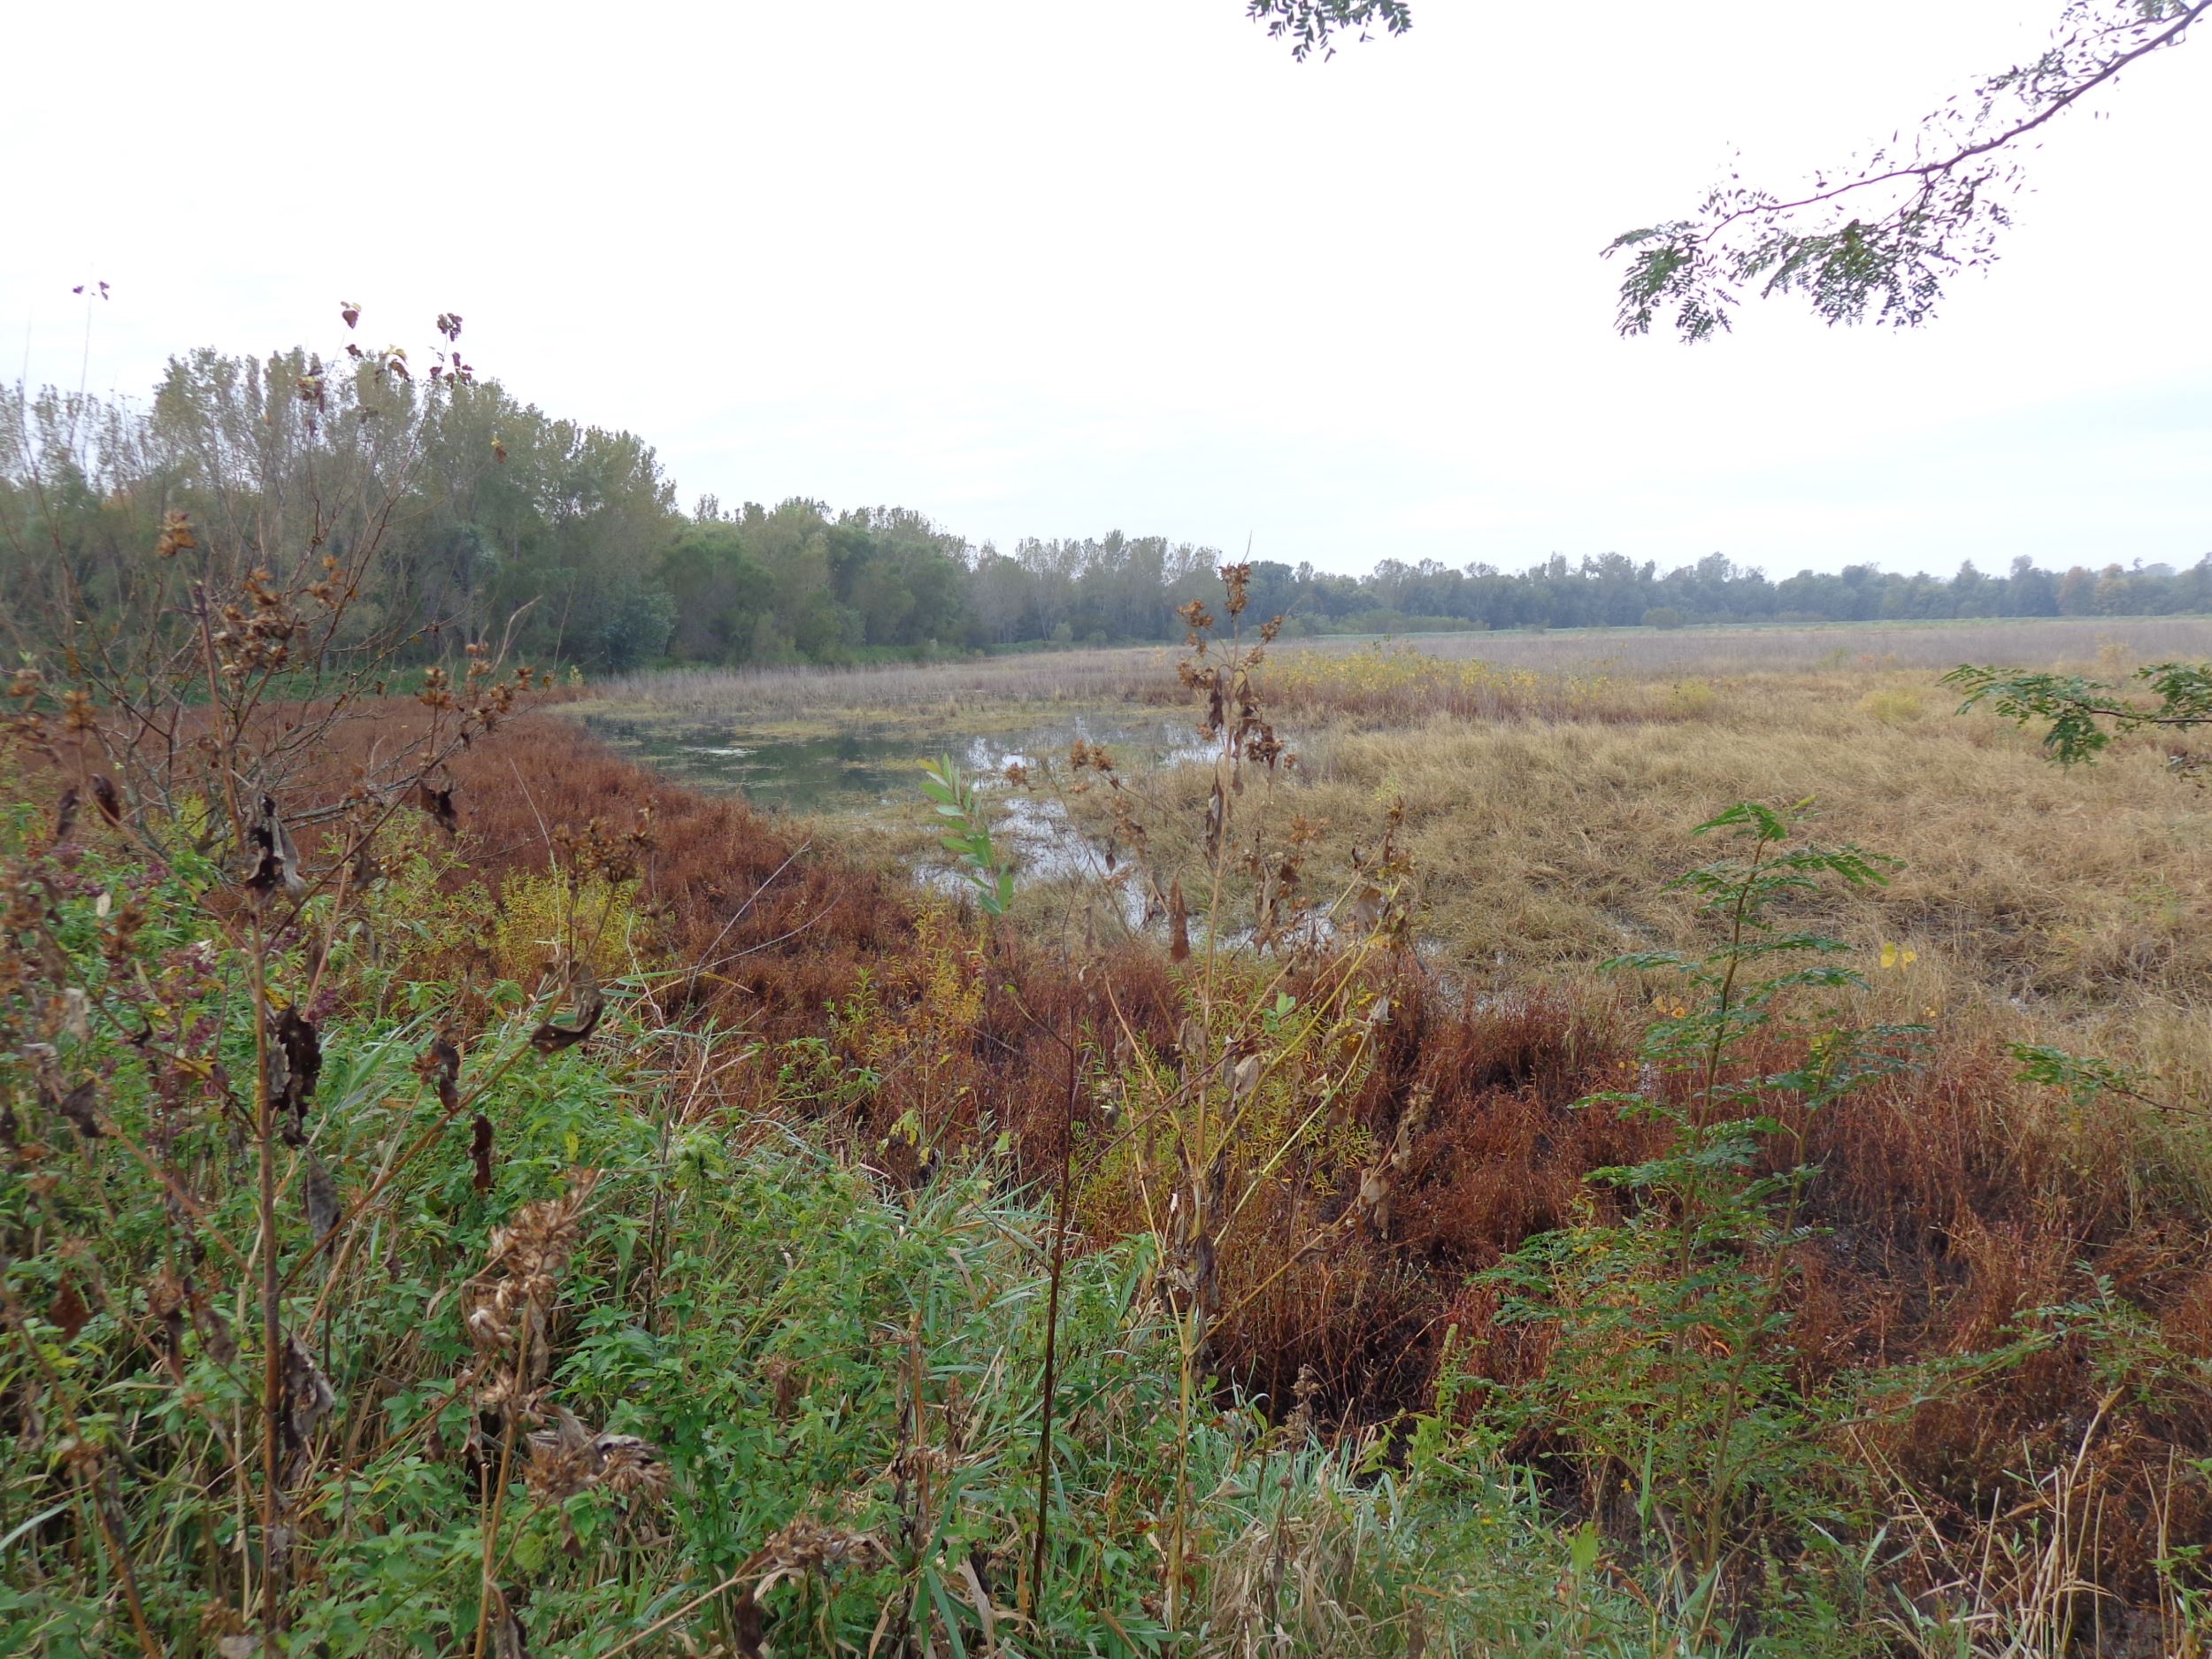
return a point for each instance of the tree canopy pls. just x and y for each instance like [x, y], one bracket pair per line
[566, 540]
[1873, 240]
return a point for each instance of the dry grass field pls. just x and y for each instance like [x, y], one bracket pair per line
[1146, 673]
[1550, 785]
[1427, 1276]
[1543, 808]
[1909, 1365]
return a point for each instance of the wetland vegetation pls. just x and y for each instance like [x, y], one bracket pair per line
[1655, 1139]
[1276, 1144]
[1547, 780]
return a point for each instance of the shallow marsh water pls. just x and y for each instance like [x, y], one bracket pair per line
[864, 769]
[868, 775]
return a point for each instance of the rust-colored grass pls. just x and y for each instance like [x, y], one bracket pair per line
[1950, 1199]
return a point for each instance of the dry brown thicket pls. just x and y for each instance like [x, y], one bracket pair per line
[1951, 1199]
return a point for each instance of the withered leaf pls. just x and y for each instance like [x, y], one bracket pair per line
[69, 1310]
[368, 868]
[1369, 906]
[214, 1329]
[439, 803]
[441, 1064]
[584, 997]
[1192, 1042]
[750, 1626]
[65, 815]
[480, 1151]
[1177, 923]
[275, 862]
[308, 1399]
[302, 1046]
[164, 1301]
[508, 1639]
[79, 1106]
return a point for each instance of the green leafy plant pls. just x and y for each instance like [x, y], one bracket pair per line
[1671, 1368]
[2081, 1077]
[2079, 719]
[988, 873]
[1879, 238]
[2080, 716]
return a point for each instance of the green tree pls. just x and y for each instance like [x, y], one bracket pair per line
[1312, 26]
[721, 594]
[1875, 240]
[2079, 718]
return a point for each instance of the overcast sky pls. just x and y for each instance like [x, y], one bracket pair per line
[1042, 267]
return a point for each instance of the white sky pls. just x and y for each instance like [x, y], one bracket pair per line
[1050, 267]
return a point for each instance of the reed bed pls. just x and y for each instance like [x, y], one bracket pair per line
[1846, 647]
[1554, 663]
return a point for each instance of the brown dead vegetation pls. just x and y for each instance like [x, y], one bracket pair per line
[1952, 1200]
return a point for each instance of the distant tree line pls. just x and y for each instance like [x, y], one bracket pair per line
[1614, 591]
[568, 541]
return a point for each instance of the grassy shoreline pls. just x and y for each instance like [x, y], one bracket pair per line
[1407, 1304]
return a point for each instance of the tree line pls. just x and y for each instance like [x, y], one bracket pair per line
[567, 541]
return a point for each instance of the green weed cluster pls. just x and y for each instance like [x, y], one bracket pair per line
[579, 1380]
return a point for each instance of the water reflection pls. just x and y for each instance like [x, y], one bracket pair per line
[860, 772]
[867, 776]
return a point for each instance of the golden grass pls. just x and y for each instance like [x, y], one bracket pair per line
[1858, 647]
[1953, 1198]
[1545, 842]
[1145, 674]
[1551, 784]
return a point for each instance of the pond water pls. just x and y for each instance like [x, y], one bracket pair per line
[860, 772]
[867, 775]
[874, 775]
